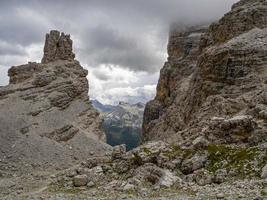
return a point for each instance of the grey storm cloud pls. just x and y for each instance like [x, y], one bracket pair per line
[101, 76]
[105, 45]
[11, 49]
[109, 32]
[21, 24]
[121, 42]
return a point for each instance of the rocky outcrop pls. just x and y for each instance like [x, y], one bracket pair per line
[57, 47]
[46, 116]
[244, 16]
[157, 166]
[220, 93]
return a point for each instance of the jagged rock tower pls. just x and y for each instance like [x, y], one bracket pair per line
[46, 116]
[57, 47]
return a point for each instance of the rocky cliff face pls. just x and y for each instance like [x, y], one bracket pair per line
[160, 116]
[214, 85]
[244, 16]
[46, 118]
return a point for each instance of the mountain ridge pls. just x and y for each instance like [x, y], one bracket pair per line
[122, 123]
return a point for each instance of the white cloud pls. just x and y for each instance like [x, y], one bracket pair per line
[121, 84]
[127, 94]
[3, 75]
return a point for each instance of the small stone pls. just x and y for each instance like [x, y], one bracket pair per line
[128, 186]
[220, 196]
[264, 172]
[90, 163]
[258, 198]
[80, 180]
[144, 192]
[19, 191]
[83, 163]
[120, 166]
[98, 169]
[167, 179]
[90, 184]
[220, 176]
[194, 163]
[53, 176]
[118, 151]
[200, 142]
[156, 188]
[24, 130]
[203, 177]
[71, 173]
[264, 191]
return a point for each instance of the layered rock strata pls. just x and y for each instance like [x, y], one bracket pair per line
[46, 116]
[220, 92]
[160, 115]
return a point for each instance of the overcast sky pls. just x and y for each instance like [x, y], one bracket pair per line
[121, 42]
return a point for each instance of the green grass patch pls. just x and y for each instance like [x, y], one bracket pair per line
[245, 161]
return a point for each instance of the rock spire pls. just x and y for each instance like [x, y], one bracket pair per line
[57, 47]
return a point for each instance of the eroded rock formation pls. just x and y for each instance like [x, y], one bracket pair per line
[46, 116]
[244, 16]
[210, 110]
[215, 85]
[57, 47]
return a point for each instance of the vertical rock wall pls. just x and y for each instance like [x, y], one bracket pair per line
[216, 88]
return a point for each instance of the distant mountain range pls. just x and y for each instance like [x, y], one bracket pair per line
[122, 123]
[101, 107]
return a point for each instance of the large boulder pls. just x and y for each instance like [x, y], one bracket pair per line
[153, 175]
[118, 151]
[80, 180]
[197, 161]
